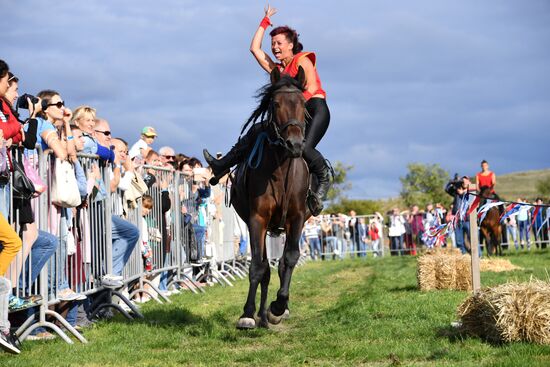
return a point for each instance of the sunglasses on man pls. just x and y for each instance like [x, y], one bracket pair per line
[104, 132]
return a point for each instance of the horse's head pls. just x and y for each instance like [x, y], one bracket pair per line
[485, 192]
[288, 110]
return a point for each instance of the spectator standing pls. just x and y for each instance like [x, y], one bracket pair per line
[395, 233]
[11, 244]
[417, 226]
[311, 231]
[125, 235]
[355, 234]
[523, 219]
[512, 229]
[168, 157]
[540, 227]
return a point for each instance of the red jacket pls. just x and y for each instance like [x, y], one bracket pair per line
[11, 128]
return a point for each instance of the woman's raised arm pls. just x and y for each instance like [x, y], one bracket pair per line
[256, 45]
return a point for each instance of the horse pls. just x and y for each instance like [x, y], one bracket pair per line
[272, 196]
[490, 227]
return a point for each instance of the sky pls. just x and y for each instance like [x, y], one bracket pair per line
[432, 81]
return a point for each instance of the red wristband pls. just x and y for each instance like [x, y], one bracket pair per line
[265, 23]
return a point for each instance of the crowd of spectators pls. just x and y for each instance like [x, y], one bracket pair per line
[336, 235]
[51, 127]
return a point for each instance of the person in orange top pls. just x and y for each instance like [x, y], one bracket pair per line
[288, 53]
[486, 178]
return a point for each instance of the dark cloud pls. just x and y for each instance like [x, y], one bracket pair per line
[428, 81]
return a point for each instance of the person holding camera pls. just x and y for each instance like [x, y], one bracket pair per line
[458, 188]
[11, 243]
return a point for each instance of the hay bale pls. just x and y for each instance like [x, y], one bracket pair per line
[464, 273]
[425, 273]
[509, 312]
[497, 265]
[445, 271]
[440, 270]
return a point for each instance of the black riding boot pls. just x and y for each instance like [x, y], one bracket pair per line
[220, 167]
[319, 168]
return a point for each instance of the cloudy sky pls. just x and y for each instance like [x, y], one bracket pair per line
[434, 81]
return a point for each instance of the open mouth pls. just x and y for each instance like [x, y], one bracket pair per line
[277, 52]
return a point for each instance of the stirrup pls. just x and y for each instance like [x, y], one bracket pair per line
[314, 204]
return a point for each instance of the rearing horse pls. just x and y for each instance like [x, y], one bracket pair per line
[272, 196]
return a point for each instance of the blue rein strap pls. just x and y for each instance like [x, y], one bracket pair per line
[257, 151]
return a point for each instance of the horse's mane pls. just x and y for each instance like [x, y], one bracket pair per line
[264, 95]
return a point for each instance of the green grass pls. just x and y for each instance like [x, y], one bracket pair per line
[352, 312]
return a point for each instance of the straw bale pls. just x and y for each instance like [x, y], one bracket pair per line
[445, 271]
[497, 265]
[464, 273]
[509, 312]
[426, 273]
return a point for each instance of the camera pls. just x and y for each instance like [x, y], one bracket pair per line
[453, 185]
[23, 103]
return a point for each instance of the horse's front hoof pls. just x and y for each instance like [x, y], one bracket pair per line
[272, 318]
[246, 323]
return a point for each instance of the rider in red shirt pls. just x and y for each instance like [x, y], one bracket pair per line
[486, 178]
[288, 52]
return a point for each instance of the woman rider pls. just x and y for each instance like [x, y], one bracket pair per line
[288, 51]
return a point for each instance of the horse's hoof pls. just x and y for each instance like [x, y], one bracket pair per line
[272, 318]
[246, 323]
[264, 324]
[286, 315]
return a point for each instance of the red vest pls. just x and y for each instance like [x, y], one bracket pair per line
[292, 69]
[485, 181]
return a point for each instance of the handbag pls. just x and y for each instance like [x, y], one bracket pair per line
[22, 186]
[136, 190]
[4, 167]
[32, 174]
[64, 191]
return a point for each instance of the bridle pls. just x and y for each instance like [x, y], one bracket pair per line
[279, 140]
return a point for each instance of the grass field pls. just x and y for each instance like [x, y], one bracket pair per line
[521, 184]
[352, 312]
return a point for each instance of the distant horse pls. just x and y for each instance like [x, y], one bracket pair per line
[490, 227]
[272, 196]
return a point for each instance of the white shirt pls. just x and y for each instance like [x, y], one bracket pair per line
[135, 150]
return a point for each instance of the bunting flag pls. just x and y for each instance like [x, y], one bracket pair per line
[474, 205]
[512, 209]
[535, 213]
[543, 224]
[437, 233]
[482, 213]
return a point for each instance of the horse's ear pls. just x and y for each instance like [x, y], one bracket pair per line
[301, 77]
[275, 75]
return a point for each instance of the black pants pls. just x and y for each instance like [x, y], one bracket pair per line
[316, 128]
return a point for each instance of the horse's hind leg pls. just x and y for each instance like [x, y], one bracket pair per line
[290, 258]
[258, 267]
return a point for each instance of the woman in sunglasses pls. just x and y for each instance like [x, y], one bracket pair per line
[84, 118]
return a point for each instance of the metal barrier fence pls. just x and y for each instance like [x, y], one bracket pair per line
[79, 248]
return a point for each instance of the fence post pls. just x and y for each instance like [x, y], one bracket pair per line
[474, 247]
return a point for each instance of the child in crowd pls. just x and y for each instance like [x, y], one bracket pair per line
[142, 147]
[146, 252]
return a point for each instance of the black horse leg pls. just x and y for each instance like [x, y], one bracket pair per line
[291, 256]
[258, 268]
[262, 314]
